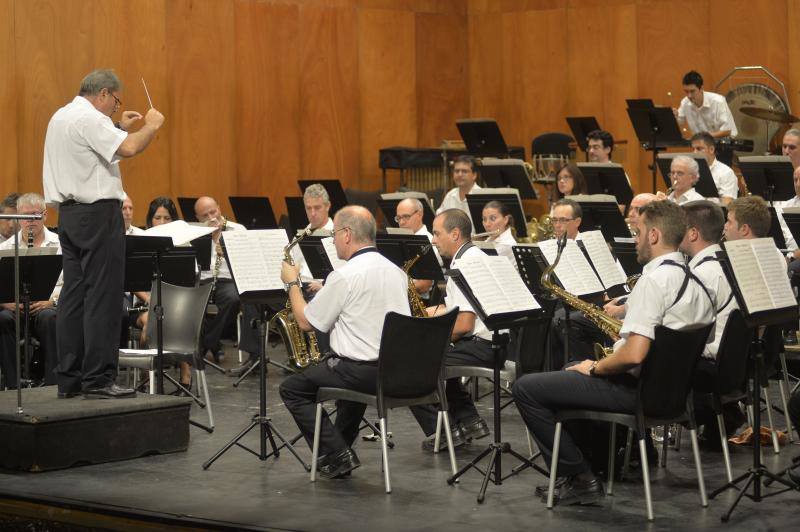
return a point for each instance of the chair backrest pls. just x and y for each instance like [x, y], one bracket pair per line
[183, 316]
[732, 355]
[532, 345]
[668, 371]
[552, 143]
[412, 354]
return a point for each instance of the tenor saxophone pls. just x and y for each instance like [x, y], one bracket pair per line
[302, 347]
[609, 325]
[414, 301]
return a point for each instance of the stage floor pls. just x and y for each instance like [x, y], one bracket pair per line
[242, 492]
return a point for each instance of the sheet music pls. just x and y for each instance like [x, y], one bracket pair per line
[179, 231]
[255, 258]
[602, 259]
[760, 272]
[773, 267]
[496, 284]
[330, 251]
[573, 270]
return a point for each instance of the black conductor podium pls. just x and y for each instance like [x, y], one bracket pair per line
[253, 212]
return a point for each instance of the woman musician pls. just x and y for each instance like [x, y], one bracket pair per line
[499, 224]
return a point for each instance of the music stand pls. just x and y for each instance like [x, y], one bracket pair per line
[482, 137]
[705, 185]
[296, 211]
[508, 173]
[401, 248]
[202, 247]
[768, 176]
[581, 126]
[640, 103]
[334, 189]
[624, 249]
[792, 221]
[775, 230]
[477, 200]
[316, 257]
[602, 212]
[656, 129]
[388, 205]
[754, 320]
[254, 212]
[607, 178]
[187, 208]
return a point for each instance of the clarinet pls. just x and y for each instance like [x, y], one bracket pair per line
[30, 237]
[217, 262]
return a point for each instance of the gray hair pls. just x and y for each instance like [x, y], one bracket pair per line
[10, 201]
[416, 203]
[690, 163]
[793, 132]
[317, 191]
[31, 199]
[359, 220]
[98, 80]
[457, 219]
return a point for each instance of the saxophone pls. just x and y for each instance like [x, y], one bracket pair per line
[217, 262]
[30, 236]
[608, 325]
[301, 346]
[414, 301]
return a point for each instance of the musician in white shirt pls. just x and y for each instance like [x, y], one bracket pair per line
[317, 204]
[409, 216]
[704, 111]
[725, 180]
[497, 219]
[566, 216]
[465, 175]
[684, 173]
[8, 206]
[127, 217]
[791, 146]
[791, 245]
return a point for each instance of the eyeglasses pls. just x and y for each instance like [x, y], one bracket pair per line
[333, 233]
[565, 178]
[119, 102]
[404, 217]
[678, 174]
[561, 220]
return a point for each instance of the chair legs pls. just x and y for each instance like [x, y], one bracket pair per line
[385, 454]
[785, 387]
[443, 414]
[438, 436]
[612, 451]
[202, 384]
[551, 486]
[756, 430]
[724, 443]
[315, 446]
[664, 447]
[648, 498]
[152, 383]
[699, 467]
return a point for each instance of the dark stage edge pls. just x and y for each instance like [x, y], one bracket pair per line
[239, 491]
[53, 433]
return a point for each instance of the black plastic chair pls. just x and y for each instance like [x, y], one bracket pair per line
[410, 363]
[663, 397]
[552, 144]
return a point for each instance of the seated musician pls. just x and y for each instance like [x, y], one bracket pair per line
[8, 206]
[725, 180]
[351, 306]
[472, 345]
[317, 204]
[127, 217]
[566, 217]
[600, 144]
[226, 298]
[409, 216]
[465, 175]
[790, 146]
[570, 181]
[497, 219]
[748, 217]
[793, 253]
[663, 296]
[684, 173]
[42, 313]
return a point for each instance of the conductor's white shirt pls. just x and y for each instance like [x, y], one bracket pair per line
[353, 304]
[714, 115]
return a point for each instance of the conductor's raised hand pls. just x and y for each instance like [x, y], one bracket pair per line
[128, 119]
[154, 118]
[289, 272]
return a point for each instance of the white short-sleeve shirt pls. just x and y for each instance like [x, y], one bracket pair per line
[456, 298]
[353, 304]
[300, 260]
[80, 160]
[725, 180]
[714, 115]
[791, 245]
[713, 278]
[452, 200]
[503, 243]
[686, 197]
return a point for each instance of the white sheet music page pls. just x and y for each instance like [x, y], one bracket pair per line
[496, 284]
[749, 277]
[330, 251]
[181, 232]
[573, 270]
[255, 258]
[773, 268]
[602, 259]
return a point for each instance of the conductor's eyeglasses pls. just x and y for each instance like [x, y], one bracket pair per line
[117, 100]
[404, 217]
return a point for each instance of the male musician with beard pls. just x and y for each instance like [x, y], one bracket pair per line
[43, 313]
[226, 298]
[472, 341]
[663, 296]
[352, 306]
[465, 175]
[791, 146]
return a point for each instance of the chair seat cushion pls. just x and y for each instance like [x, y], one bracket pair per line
[343, 394]
[507, 373]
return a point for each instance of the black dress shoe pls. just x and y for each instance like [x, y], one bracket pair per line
[541, 491]
[474, 429]
[338, 464]
[68, 395]
[455, 433]
[574, 491]
[112, 391]
[240, 370]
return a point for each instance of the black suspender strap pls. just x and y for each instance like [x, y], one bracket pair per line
[689, 275]
[463, 249]
[713, 258]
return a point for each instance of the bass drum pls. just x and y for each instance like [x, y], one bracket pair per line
[762, 132]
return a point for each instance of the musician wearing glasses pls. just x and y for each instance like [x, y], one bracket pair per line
[409, 216]
[725, 180]
[472, 341]
[351, 306]
[566, 217]
[81, 175]
[465, 175]
[663, 296]
[791, 146]
[570, 180]
[684, 173]
[32, 233]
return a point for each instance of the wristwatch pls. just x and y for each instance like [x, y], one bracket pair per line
[593, 368]
[290, 284]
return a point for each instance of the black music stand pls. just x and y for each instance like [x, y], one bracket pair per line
[602, 215]
[756, 355]
[656, 129]
[775, 230]
[477, 202]
[508, 173]
[296, 211]
[792, 221]
[607, 178]
[498, 447]
[388, 205]
[202, 248]
[253, 212]
[625, 251]
[581, 126]
[334, 189]
[705, 185]
[482, 137]
[768, 176]
[316, 257]
[401, 248]
[187, 208]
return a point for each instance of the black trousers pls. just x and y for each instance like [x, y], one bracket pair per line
[539, 395]
[299, 394]
[43, 327]
[472, 352]
[227, 300]
[583, 334]
[794, 410]
[88, 326]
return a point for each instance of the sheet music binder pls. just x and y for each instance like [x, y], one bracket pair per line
[581, 126]
[508, 173]
[482, 137]
[478, 199]
[39, 272]
[612, 290]
[177, 268]
[316, 258]
[401, 248]
[267, 288]
[253, 212]
[705, 185]
[768, 176]
[334, 189]
[607, 178]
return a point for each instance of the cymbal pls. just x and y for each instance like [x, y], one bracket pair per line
[769, 114]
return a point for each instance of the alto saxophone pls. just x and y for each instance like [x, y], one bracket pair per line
[609, 325]
[414, 301]
[301, 346]
[217, 261]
